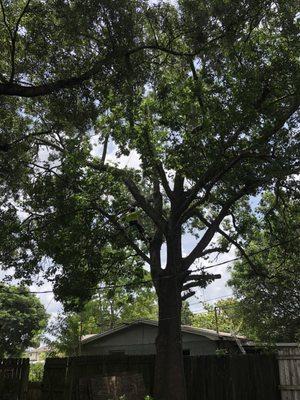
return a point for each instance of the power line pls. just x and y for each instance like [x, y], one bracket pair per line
[52, 298]
[252, 254]
[140, 283]
[212, 299]
[203, 302]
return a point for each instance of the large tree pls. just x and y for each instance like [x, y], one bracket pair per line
[213, 119]
[22, 320]
[270, 302]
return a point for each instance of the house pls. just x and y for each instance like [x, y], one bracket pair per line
[138, 338]
[36, 355]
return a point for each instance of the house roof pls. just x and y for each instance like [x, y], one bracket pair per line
[208, 333]
[41, 349]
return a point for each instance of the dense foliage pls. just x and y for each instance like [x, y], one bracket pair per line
[270, 301]
[36, 372]
[22, 320]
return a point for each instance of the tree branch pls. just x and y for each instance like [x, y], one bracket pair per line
[212, 229]
[144, 203]
[14, 40]
[187, 295]
[212, 177]
[5, 19]
[14, 89]
[5, 147]
[159, 167]
[213, 250]
[104, 151]
[236, 244]
[130, 242]
[199, 280]
[48, 143]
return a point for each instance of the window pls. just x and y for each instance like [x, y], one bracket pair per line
[186, 352]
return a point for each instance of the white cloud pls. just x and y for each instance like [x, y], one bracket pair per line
[131, 161]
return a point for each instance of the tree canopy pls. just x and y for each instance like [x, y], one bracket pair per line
[53, 45]
[270, 301]
[205, 94]
[195, 119]
[22, 320]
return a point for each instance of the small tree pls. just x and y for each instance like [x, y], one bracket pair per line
[22, 320]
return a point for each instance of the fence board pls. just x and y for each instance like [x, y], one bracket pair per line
[289, 371]
[13, 378]
[54, 377]
[236, 377]
[34, 391]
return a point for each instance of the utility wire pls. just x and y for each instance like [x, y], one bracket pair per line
[252, 254]
[212, 299]
[140, 283]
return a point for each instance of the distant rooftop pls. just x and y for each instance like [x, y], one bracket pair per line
[209, 333]
[41, 349]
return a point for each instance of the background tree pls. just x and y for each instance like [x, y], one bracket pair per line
[186, 314]
[270, 302]
[22, 320]
[213, 120]
[36, 372]
[229, 318]
[106, 310]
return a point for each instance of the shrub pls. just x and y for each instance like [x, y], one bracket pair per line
[36, 372]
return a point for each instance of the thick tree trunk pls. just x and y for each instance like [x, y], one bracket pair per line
[169, 372]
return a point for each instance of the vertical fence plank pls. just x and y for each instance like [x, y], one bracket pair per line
[289, 371]
[54, 379]
[13, 378]
[235, 377]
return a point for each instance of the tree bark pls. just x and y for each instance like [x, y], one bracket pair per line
[169, 371]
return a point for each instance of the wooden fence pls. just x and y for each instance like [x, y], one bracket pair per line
[13, 378]
[54, 378]
[236, 377]
[289, 371]
[34, 391]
